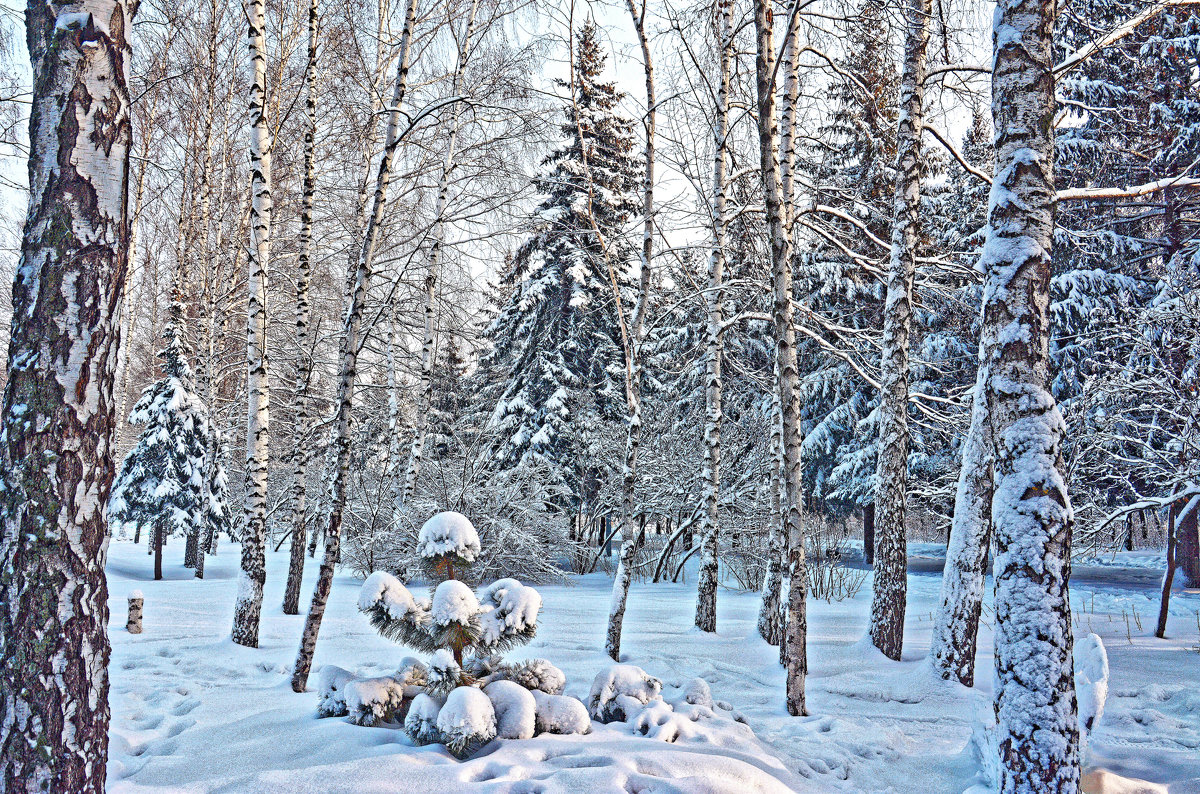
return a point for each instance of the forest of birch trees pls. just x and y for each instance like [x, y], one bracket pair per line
[728, 284]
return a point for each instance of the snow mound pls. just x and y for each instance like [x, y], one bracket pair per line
[1101, 781]
[560, 714]
[1091, 681]
[620, 691]
[453, 602]
[697, 693]
[515, 709]
[467, 721]
[538, 674]
[421, 721]
[448, 533]
[331, 697]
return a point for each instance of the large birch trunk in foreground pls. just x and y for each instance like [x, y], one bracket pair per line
[631, 539]
[1037, 731]
[785, 352]
[890, 590]
[58, 418]
[303, 451]
[956, 628]
[714, 301]
[248, 609]
[348, 370]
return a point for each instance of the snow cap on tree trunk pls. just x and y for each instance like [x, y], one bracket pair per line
[448, 533]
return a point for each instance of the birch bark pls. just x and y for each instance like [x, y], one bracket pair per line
[248, 609]
[57, 424]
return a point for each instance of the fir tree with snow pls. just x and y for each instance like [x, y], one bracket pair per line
[556, 337]
[165, 486]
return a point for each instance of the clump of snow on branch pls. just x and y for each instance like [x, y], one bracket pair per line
[448, 533]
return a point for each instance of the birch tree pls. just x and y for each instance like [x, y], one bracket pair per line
[706, 586]
[1037, 732]
[890, 592]
[785, 354]
[57, 417]
[248, 608]
[348, 362]
[303, 448]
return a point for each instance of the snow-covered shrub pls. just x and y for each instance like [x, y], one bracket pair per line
[331, 697]
[1091, 683]
[371, 701]
[620, 691]
[444, 674]
[560, 714]
[421, 722]
[448, 537]
[467, 721]
[515, 709]
[657, 720]
[537, 674]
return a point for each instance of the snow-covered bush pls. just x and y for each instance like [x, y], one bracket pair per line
[515, 709]
[621, 691]
[560, 714]
[421, 722]
[371, 701]
[466, 721]
[537, 674]
[331, 697]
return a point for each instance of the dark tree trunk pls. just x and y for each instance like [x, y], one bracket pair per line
[869, 533]
[1169, 578]
[1187, 551]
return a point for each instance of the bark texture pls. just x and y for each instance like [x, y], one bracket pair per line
[1037, 731]
[58, 422]
[890, 589]
[248, 609]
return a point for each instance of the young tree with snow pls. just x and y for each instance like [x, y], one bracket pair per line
[57, 421]
[164, 486]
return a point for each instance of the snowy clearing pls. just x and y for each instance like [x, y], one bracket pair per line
[193, 712]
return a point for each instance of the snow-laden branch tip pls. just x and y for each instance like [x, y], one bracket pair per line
[1116, 34]
[1084, 193]
[1190, 491]
[945, 142]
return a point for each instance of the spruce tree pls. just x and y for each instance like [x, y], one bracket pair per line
[164, 485]
[557, 337]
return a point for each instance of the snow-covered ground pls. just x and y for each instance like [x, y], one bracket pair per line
[193, 712]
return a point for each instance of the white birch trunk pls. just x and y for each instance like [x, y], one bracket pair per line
[56, 456]
[631, 539]
[303, 449]
[956, 627]
[785, 352]
[772, 613]
[348, 369]
[890, 589]
[248, 608]
[706, 585]
[1037, 730]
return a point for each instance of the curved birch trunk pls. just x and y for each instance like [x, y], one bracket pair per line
[1037, 732]
[248, 608]
[772, 613]
[890, 590]
[303, 451]
[348, 369]
[57, 421]
[631, 337]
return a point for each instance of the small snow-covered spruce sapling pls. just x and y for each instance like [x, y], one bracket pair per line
[466, 695]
